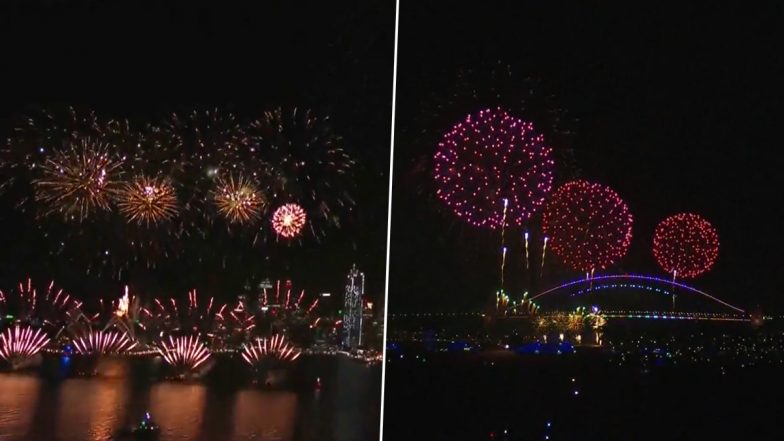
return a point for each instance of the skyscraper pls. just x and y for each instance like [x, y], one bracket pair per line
[352, 308]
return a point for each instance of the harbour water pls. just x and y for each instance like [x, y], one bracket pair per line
[37, 406]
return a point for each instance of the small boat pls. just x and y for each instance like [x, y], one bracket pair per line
[145, 430]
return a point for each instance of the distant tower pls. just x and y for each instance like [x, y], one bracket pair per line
[352, 308]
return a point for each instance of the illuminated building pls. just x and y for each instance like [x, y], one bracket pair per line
[352, 308]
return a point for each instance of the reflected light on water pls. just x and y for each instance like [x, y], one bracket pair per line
[18, 398]
[104, 399]
[270, 415]
[33, 408]
[180, 406]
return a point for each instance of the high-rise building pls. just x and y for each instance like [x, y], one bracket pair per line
[352, 308]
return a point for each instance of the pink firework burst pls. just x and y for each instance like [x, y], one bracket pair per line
[493, 169]
[288, 220]
[185, 351]
[21, 342]
[103, 343]
[275, 347]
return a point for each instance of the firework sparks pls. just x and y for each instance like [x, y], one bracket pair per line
[52, 307]
[103, 342]
[588, 225]
[305, 161]
[276, 347]
[21, 342]
[685, 245]
[148, 201]
[197, 316]
[288, 220]
[493, 156]
[239, 200]
[79, 181]
[184, 351]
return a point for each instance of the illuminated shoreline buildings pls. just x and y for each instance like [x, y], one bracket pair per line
[352, 309]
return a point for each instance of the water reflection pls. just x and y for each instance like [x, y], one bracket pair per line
[33, 408]
[270, 415]
[178, 408]
[17, 404]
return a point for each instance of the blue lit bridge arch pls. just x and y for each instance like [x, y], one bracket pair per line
[638, 296]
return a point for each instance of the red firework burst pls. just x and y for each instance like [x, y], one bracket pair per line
[589, 226]
[493, 169]
[288, 220]
[685, 245]
[276, 347]
[186, 352]
[21, 342]
[103, 342]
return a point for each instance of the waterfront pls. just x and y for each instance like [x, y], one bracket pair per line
[36, 406]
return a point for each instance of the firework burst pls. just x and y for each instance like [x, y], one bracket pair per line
[79, 181]
[147, 201]
[589, 225]
[103, 343]
[239, 200]
[493, 169]
[304, 160]
[20, 343]
[184, 352]
[685, 245]
[276, 347]
[288, 220]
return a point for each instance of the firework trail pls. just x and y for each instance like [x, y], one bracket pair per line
[103, 343]
[275, 347]
[184, 352]
[51, 308]
[19, 343]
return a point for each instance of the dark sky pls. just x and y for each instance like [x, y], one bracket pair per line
[678, 108]
[144, 59]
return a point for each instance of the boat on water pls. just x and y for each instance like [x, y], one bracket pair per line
[145, 430]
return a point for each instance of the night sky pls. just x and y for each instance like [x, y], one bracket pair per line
[142, 60]
[678, 108]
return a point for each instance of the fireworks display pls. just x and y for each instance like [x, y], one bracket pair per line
[147, 201]
[288, 220]
[685, 245]
[588, 225]
[276, 347]
[239, 200]
[79, 181]
[488, 158]
[51, 308]
[21, 342]
[194, 315]
[184, 352]
[103, 343]
[304, 160]
[170, 180]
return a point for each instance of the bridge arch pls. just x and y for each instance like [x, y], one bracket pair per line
[631, 281]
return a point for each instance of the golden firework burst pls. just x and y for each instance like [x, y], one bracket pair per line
[239, 200]
[80, 180]
[148, 200]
